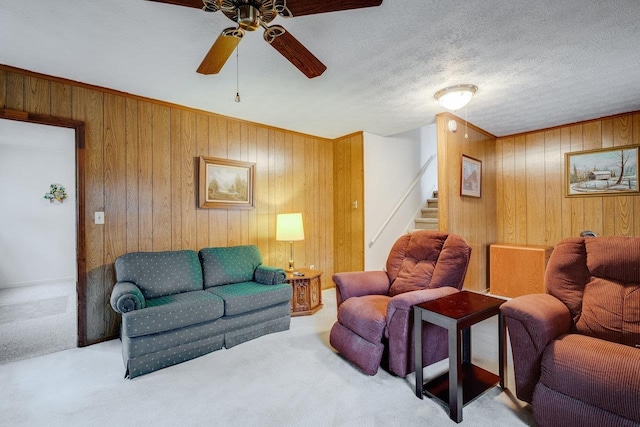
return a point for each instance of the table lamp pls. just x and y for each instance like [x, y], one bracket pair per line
[289, 229]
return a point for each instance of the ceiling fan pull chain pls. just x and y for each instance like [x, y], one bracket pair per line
[238, 70]
[466, 127]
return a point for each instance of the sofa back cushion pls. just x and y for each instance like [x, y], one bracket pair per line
[599, 281]
[234, 264]
[427, 259]
[160, 273]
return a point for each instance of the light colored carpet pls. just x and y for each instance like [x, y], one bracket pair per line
[37, 320]
[292, 378]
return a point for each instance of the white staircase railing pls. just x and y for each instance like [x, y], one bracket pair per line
[402, 200]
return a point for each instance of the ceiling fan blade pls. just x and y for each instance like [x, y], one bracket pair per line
[224, 46]
[294, 51]
[310, 7]
[189, 3]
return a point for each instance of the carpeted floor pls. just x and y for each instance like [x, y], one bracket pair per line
[292, 378]
[37, 320]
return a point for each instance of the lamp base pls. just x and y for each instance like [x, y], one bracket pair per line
[290, 268]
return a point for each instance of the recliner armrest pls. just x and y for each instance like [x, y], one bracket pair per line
[533, 321]
[359, 283]
[269, 275]
[126, 297]
[408, 299]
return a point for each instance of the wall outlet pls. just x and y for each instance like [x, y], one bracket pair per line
[312, 267]
[99, 217]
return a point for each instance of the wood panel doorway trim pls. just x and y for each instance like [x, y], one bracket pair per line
[81, 283]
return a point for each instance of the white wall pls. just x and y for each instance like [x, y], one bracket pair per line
[37, 238]
[391, 164]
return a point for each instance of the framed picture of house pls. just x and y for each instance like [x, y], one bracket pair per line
[471, 177]
[602, 172]
[225, 184]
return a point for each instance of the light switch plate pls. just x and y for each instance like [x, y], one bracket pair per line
[99, 217]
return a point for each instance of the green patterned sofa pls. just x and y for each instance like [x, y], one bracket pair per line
[179, 305]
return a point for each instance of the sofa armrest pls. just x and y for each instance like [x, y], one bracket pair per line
[269, 275]
[126, 297]
[533, 321]
[359, 283]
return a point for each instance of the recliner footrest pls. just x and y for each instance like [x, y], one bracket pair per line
[362, 353]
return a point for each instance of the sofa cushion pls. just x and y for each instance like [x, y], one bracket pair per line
[160, 273]
[146, 344]
[601, 373]
[235, 264]
[172, 312]
[248, 296]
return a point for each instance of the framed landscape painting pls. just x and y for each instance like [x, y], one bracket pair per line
[226, 184]
[602, 172]
[471, 177]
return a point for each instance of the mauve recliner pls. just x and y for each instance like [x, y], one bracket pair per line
[374, 322]
[576, 349]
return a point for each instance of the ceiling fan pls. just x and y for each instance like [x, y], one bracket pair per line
[253, 14]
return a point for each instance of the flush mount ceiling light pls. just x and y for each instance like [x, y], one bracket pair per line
[455, 97]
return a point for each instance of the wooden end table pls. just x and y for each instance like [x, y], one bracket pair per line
[464, 381]
[307, 292]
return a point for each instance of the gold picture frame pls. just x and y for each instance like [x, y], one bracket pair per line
[470, 177]
[602, 172]
[225, 184]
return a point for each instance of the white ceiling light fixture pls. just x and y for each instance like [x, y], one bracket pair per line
[455, 97]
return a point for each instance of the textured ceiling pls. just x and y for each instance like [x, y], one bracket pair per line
[537, 64]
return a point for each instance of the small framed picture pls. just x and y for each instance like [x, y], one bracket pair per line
[226, 184]
[471, 177]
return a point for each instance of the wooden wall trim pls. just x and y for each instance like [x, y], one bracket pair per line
[579, 123]
[81, 251]
[106, 90]
[450, 116]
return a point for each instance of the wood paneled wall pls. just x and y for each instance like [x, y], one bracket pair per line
[141, 170]
[531, 205]
[348, 176]
[472, 218]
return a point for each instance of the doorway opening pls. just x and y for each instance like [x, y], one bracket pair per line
[43, 285]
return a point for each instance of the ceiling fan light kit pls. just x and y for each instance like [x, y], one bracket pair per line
[249, 15]
[455, 97]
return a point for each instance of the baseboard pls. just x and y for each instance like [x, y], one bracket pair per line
[37, 282]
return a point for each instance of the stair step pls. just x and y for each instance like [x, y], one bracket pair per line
[427, 220]
[427, 223]
[432, 203]
[429, 212]
[435, 194]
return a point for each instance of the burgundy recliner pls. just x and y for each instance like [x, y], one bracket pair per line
[374, 322]
[576, 349]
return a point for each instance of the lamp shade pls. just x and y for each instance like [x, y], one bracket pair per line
[289, 227]
[455, 97]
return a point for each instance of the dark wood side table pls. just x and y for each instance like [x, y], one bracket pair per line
[307, 292]
[464, 381]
